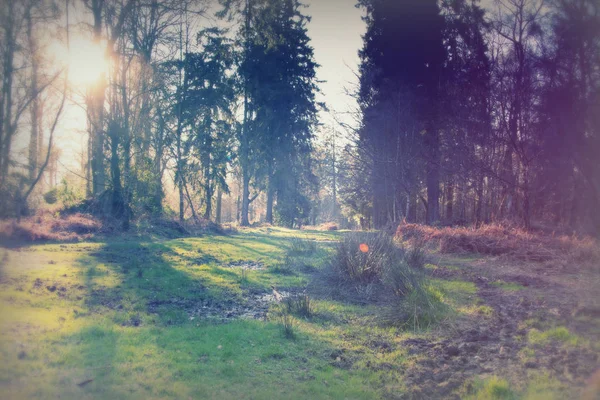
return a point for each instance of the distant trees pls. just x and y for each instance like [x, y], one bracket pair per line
[30, 85]
[484, 112]
[277, 74]
[466, 115]
[181, 102]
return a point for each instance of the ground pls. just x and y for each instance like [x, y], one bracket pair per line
[195, 318]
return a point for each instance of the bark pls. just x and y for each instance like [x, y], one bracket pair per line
[218, 206]
[245, 139]
[270, 194]
[433, 178]
[449, 201]
[95, 108]
[35, 108]
[245, 199]
[6, 128]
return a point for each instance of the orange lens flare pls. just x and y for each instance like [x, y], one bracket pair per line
[364, 247]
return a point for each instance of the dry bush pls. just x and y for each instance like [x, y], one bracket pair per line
[46, 226]
[498, 240]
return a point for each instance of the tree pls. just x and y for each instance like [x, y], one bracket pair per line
[25, 78]
[208, 109]
[391, 81]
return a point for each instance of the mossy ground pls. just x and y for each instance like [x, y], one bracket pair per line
[139, 318]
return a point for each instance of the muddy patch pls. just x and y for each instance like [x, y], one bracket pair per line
[497, 345]
[246, 265]
[253, 305]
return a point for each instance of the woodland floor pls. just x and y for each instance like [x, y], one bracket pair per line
[192, 318]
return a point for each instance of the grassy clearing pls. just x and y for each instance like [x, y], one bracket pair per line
[144, 318]
[124, 319]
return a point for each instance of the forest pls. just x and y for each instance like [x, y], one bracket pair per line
[491, 118]
[257, 199]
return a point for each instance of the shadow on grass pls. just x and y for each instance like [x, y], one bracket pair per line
[148, 284]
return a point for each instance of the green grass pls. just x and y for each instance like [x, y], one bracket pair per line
[127, 319]
[509, 286]
[559, 334]
[123, 316]
[538, 386]
[493, 388]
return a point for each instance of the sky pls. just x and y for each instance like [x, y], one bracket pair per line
[336, 31]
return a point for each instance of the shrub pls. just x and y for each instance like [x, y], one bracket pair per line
[287, 326]
[45, 226]
[299, 305]
[372, 264]
[326, 226]
[498, 240]
[363, 257]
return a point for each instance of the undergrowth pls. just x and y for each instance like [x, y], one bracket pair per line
[374, 267]
[510, 242]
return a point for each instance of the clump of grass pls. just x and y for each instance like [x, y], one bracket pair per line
[493, 388]
[559, 334]
[421, 308]
[243, 279]
[362, 257]
[283, 269]
[299, 305]
[484, 310]
[287, 326]
[373, 265]
[300, 246]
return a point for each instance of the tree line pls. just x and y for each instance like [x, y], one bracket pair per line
[194, 100]
[466, 114]
[473, 115]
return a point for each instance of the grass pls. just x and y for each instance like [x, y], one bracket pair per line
[508, 286]
[559, 334]
[539, 386]
[142, 318]
[493, 388]
[122, 321]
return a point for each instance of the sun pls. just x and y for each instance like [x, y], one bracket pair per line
[86, 60]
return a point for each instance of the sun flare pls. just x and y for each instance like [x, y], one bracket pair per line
[86, 60]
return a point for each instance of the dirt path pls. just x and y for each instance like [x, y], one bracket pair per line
[539, 298]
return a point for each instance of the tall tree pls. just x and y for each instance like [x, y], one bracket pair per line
[401, 71]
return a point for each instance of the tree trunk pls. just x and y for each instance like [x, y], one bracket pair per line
[433, 178]
[270, 194]
[35, 108]
[218, 206]
[449, 201]
[245, 199]
[6, 128]
[181, 200]
[117, 205]
[96, 105]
